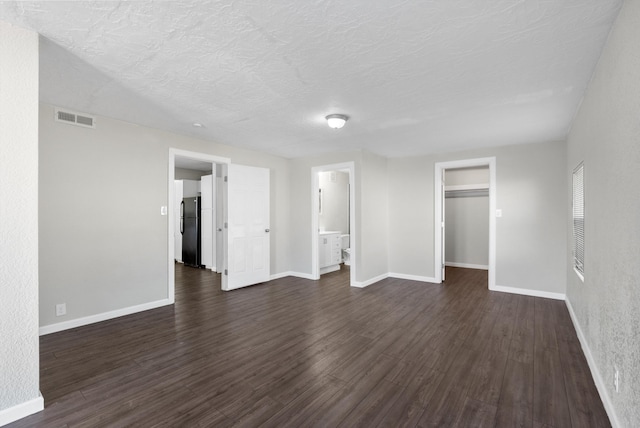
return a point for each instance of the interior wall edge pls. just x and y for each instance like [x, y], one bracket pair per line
[595, 372]
[21, 410]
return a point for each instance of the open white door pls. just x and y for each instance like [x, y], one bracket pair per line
[177, 229]
[247, 230]
[207, 225]
[443, 224]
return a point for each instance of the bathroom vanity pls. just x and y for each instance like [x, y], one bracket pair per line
[329, 251]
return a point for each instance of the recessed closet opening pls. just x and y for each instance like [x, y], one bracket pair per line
[466, 212]
[465, 201]
[466, 198]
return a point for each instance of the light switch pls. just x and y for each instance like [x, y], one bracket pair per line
[498, 213]
[163, 210]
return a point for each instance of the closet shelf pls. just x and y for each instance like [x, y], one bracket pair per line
[466, 190]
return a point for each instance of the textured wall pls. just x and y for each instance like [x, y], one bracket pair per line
[19, 359]
[606, 136]
[530, 236]
[103, 242]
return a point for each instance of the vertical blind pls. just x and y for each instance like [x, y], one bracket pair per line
[578, 219]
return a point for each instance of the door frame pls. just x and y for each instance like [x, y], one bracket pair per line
[315, 222]
[173, 153]
[440, 167]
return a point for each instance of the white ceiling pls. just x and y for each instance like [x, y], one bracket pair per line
[415, 77]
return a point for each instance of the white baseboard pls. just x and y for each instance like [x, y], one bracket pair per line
[595, 373]
[466, 265]
[368, 282]
[79, 322]
[302, 275]
[528, 292]
[413, 277]
[360, 284]
[21, 410]
[328, 269]
[288, 273]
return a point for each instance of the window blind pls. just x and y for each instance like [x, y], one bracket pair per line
[578, 219]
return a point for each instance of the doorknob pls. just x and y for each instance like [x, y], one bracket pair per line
[266, 230]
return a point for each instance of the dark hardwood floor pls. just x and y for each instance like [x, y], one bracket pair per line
[302, 353]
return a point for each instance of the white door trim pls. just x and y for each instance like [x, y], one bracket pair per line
[438, 196]
[315, 187]
[173, 153]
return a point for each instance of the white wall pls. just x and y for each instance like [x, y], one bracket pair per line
[529, 236]
[411, 216]
[300, 204]
[468, 175]
[19, 357]
[606, 136]
[467, 220]
[467, 231]
[373, 218]
[371, 212]
[103, 242]
[189, 174]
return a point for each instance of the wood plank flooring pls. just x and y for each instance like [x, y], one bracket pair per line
[300, 353]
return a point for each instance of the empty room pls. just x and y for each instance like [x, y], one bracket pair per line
[277, 213]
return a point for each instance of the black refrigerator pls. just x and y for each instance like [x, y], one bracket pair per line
[190, 230]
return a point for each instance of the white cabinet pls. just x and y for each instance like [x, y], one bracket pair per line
[329, 252]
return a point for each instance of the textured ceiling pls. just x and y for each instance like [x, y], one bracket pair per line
[415, 77]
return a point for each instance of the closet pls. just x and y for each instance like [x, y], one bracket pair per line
[467, 217]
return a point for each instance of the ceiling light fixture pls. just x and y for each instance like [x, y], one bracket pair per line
[336, 121]
[198, 125]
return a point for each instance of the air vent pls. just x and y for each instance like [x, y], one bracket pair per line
[77, 119]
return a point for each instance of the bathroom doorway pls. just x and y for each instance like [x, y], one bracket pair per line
[333, 225]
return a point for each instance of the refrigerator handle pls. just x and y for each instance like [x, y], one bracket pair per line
[182, 217]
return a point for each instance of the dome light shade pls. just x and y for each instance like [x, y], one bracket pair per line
[336, 121]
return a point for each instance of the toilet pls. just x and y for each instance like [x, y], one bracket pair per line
[346, 250]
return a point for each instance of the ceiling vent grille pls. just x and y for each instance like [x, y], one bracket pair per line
[78, 119]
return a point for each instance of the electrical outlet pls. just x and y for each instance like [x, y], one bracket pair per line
[616, 378]
[61, 309]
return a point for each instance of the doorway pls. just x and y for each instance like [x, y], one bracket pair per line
[440, 225]
[333, 223]
[196, 216]
[198, 164]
